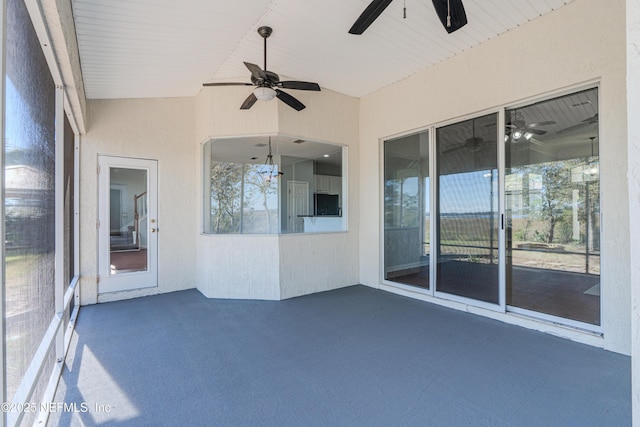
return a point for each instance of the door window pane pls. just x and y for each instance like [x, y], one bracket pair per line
[467, 209]
[128, 220]
[552, 188]
[406, 210]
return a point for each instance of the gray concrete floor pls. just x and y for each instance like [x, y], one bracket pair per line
[354, 356]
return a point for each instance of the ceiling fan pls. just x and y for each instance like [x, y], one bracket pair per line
[268, 83]
[584, 123]
[473, 144]
[450, 12]
[518, 128]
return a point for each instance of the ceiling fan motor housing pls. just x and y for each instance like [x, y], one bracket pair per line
[272, 79]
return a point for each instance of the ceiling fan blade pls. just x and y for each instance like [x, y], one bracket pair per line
[256, 71]
[291, 84]
[584, 123]
[536, 142]
[370, 14]
[535, 131]
[574, 127]
[227, 84]
[289, 100]
[453, 9]
[456, 148]
[248, 103]
[547, 123]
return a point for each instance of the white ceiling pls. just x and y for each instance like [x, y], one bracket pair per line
[168, 48]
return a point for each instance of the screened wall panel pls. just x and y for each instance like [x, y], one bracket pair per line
[69, 213]
[29, 197]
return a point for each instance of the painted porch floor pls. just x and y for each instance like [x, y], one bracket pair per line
[354, 356]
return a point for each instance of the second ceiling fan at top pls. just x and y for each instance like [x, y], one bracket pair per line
[268, 83]
[450, 12]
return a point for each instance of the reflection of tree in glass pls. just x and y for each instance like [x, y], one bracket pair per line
[552, 202]
[256, 184]
[226, 188]
[401, 202]
[556, 194]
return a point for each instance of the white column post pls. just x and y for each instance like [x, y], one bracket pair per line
[633, 146]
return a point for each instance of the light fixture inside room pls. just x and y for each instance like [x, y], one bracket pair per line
[269, 169]
[593, 166]
[517, 128]
[264, 93]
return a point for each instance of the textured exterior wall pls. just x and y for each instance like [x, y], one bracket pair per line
[316, 263]
[160, 129]
[278, 267]
[633, 113]
[581, 42]
[218, 114]
[239, 267]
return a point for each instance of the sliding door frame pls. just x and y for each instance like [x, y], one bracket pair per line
[443, 297]
[500, 306]
[562, 321]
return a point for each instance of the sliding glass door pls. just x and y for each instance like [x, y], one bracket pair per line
[467, 209]
[406, 210]
[552, 185]
[517, 210]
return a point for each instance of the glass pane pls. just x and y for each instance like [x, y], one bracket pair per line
[128, 220]
[406, 210]
[225, 196]
[467, 209]
[260, 200]
[312, 187]
[29, 204]
[552, 188]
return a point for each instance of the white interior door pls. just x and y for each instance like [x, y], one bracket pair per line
[128, 233]
[298, 194]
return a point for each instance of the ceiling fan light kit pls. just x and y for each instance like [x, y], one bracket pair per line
[264, 93]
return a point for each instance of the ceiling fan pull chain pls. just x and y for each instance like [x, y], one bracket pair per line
[404, 10]
[448, 14]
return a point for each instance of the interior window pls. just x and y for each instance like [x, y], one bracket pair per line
[273, 185]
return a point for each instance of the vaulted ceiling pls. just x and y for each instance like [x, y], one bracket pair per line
[168, 48]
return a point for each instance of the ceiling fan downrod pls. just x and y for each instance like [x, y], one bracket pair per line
[265, 32]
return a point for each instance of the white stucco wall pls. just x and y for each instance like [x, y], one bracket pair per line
[278, 267]
[239, 267]
[633, 126]
[218, 114]
[581, 42]
[321, 262]
[160, 129]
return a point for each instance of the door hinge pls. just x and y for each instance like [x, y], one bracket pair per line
[98, 279]
[98, 224]
[98, 169]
